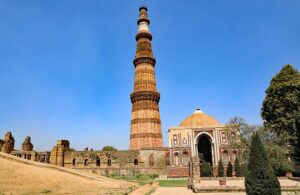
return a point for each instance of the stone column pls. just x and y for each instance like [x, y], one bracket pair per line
[58, 151]
[145, 129]
[8, 143]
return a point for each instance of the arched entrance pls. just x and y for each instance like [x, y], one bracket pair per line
[204, 148]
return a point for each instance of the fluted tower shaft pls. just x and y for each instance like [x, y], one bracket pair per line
[145, 129]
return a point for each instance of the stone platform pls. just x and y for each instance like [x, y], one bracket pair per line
[237, 185]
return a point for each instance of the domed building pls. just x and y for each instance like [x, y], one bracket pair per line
[202, 135]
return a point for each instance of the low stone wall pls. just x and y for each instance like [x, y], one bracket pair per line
[210, 185]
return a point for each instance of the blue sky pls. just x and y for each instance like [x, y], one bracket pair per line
[66, 67]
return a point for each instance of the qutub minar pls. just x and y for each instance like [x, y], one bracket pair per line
[198, 134]
[145, 118]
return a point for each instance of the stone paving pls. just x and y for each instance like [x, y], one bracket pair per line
[214, 184]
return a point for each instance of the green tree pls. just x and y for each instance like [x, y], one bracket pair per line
[220, 169]
[260, 177]
[281, 106]
[206, 170]
[109, 148]
[229, 170]
[237, 168]
[278, 159]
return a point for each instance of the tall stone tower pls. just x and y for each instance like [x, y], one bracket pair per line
[145, 118]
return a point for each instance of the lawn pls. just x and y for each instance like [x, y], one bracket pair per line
[140, 179]
[172, 183]
[149, 179]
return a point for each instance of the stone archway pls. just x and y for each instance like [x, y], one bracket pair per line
[204, 147]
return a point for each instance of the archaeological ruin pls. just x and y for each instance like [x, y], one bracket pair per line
[197, 135]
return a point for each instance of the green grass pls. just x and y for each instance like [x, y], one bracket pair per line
[140, 179]
[149, 179]
[172, 183]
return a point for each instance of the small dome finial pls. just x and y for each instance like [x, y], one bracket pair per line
[143, 7]
[198, 110]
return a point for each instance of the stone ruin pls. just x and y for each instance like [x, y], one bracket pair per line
[27, 145]
[1, 142]
[194, 172]
[8, 144]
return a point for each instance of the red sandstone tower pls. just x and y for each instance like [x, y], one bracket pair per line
[145, 118]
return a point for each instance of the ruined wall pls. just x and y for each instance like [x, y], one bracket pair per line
[39, 156]
[118, 162]
[128, 162]
[58, 152]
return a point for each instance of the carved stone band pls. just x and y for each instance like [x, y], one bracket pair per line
[137, 107]
[144, 71]
[144, 59]
[145, 135]
[151, 82]
[144, 95]
[145, 120]
[143, 34]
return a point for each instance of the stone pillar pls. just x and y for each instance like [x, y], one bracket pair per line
[1, 143]
[58, 151]
[145, 129]
[27, 145]
[8, 143]
[196, 169]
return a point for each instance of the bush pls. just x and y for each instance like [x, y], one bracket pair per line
[237, 168]
[260, 178]
[109, 148]
[220, 169]
[229, 170]
[206, 170]
[243, 170]
[154, 176]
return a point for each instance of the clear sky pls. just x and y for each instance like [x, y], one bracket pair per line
[66, 67]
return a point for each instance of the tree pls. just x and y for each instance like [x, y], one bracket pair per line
[237, 168]
[278, 159]
[281, 106]
[205, 169]
[109, 148]
[229, 170]
[244, 128]
[220, 169]
[260, 177]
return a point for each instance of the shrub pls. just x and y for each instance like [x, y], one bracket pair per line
[220, 169]
[260, 177]
[206, 170]
[237, 168]
[154, 176]
[229, 170]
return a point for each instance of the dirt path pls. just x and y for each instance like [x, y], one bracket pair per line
[145, 189]
[185, 191]
[19, 178]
